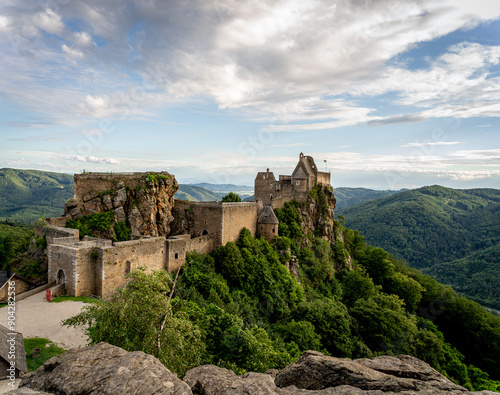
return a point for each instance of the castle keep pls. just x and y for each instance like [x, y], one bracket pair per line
[276, 193]
[163, 229]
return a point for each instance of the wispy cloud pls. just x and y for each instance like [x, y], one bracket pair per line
[431, 143]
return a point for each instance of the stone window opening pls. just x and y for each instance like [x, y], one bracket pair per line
[176, 255]
[274, 230]
[261, 227]
[204, 233]
[297, 183]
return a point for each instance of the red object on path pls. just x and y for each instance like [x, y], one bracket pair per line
[48, 294]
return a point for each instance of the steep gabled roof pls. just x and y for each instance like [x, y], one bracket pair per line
[305, 168]
[267, 216]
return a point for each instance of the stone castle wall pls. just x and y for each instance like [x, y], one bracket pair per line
[178, 246]
[235, 217]
[85, 271]
[87, 184]
[63, 258]
[323, 178]
[54, 232]
[20, 287]
[117, 261]
[268, 231]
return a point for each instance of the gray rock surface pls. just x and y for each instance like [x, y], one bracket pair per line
[104, 369]
[315, 371]
[213, 380]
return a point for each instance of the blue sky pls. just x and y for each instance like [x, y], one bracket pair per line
[391, 95]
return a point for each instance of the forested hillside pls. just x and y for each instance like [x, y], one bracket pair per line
[240, 308]
[27, 195]
[453, 235]
[347, 197]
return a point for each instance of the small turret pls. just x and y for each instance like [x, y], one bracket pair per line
[267, 223]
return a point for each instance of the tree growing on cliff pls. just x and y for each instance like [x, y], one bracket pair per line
[231, 197]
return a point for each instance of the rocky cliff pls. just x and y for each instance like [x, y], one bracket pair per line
[106, 369]
[144, 200]
[318, 212]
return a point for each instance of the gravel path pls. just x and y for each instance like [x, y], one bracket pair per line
[35, 317]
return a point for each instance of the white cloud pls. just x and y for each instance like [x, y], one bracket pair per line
[5, 24]
[431, 143]
[287, 61]
[71, 52]
[49, 21]
[83, 39]
[95, 159]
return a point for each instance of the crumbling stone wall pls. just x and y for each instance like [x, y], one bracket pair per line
[20, 287]
[117, 261]
[87, 184]
[53, 232]
[178, 246]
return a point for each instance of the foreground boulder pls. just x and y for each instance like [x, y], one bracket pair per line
[211, 380]
[104, 369]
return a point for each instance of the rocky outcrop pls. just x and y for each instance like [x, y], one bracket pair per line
[209, 379]
[407, 375]
[106, 369]
[145, 201]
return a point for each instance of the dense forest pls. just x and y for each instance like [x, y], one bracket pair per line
[452, 235]
[240, 308]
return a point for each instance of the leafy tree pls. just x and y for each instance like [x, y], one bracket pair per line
[406, 288]
[332, 322]
[140, 317]
[357, 285]
[301, 333]
[231, 197]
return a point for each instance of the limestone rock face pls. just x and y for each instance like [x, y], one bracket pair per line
[104, 369]
[145, 200]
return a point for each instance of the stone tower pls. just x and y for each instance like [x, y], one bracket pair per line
[267, 223]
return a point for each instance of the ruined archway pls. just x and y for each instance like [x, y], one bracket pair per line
[204, 233]
[61, 277]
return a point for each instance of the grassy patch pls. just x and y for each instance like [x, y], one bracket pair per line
[3, 305]
[84, 299]
[47, 350]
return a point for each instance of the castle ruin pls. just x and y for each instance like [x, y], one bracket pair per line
[164, 229]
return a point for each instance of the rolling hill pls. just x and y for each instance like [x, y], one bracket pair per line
[196, 194]
[453, 235]
[26, 195]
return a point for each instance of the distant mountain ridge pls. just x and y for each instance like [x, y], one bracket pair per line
[450, 234]
[347, 197]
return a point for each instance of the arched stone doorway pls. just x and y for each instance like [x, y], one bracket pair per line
[61, 277]
[204, 233]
